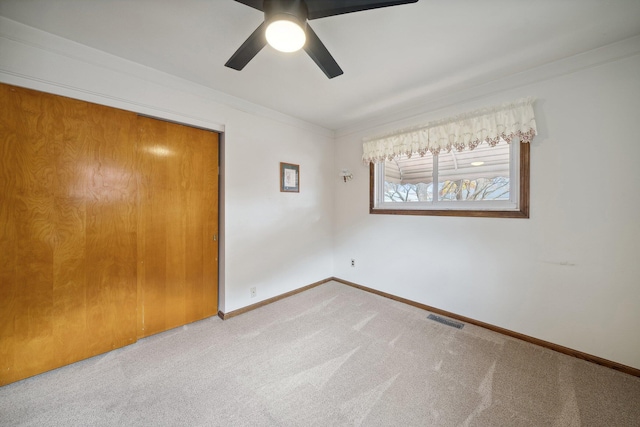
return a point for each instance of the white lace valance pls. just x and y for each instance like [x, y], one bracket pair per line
[466, 131]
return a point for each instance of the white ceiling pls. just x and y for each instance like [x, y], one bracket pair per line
[393, 58]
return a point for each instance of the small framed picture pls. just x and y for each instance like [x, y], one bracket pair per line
[289, 178]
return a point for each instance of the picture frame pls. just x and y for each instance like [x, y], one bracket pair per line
[289, 178]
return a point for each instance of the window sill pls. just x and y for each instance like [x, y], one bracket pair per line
[452, 212]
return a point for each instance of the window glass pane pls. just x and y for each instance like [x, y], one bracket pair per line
[409, 179]
[471, 175]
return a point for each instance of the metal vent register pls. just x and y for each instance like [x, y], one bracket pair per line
[446, 321]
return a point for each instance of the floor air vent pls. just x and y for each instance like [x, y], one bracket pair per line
[446, 321]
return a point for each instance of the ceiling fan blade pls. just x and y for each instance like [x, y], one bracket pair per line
[256, 4]
[249, 49]
[320, 55]
[324, 8]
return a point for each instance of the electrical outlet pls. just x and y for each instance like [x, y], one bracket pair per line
[253, 292]
[353, 262]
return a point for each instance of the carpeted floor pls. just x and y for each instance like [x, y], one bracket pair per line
[330, 356]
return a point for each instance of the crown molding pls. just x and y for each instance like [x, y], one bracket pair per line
[451, 96]
[36, 59]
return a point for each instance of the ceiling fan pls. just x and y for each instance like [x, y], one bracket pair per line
[285, 28]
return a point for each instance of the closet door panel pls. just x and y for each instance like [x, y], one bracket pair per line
[68, 229]
[178, 181]
[210, 230]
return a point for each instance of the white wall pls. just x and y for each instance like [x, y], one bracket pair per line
[274, 241]
[571, 273]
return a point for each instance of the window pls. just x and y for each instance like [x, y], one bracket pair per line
[485, 182]
[476, 164]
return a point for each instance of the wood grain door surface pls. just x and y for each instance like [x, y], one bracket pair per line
[104, 219]
[177, 252]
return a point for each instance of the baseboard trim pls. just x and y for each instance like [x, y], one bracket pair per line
[542, 343]
[229, 315]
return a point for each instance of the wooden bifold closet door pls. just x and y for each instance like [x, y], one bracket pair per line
[106, 221]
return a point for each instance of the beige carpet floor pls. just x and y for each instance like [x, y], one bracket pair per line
[330, 356]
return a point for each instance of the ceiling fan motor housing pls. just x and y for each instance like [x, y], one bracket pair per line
[291, 10]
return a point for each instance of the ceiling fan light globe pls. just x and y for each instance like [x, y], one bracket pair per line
[285, 35]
